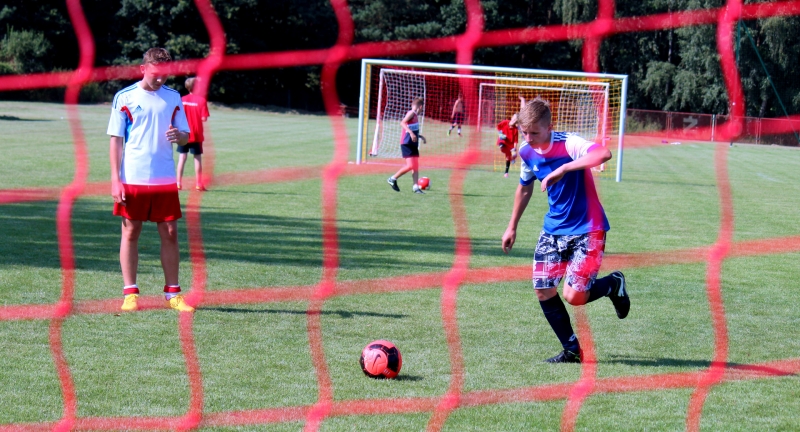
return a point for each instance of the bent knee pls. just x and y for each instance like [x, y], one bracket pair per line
[168, 232]
[575, 298]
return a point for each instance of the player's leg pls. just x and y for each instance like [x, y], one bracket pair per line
[415, 174]
[129, 250]
[507, 152]
[197, 151]
[170, 252]
[582, 286]
[393, 179]
[198, 172]
[170, 261]
[137, 205]
[183, 152]
[129, 261]
[165, 212]
[408, 151]
[548, 269]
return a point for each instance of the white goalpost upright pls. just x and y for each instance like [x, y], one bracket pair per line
[591, 105]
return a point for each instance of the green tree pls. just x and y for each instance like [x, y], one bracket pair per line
[23, 52]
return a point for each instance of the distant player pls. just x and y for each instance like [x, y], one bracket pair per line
[409, 146]
[196, 113]
[507, 137]
[147, 118]
[572, 240]
[457, 117]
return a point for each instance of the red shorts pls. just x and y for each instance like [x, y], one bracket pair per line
[507, 152]
[158, 203]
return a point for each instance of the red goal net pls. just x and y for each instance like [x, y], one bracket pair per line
[439, 407]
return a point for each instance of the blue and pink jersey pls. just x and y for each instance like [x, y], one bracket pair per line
[413, 124]
[574, 205]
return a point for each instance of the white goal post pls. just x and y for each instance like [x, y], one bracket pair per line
[591, 105]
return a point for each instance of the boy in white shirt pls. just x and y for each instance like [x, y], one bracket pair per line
[147, 118]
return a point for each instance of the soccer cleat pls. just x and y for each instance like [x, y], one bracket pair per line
[201, 188]
[565, 357]
[505, 175]
[179, 186]
[129, 305]
[619, 296]
[179, 304]
[448, 132]
[418, 190]
[393, 183]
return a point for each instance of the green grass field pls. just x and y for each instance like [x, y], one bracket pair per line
[255, 356]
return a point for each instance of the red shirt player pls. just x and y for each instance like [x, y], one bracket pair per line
[507, 138]
[196, 113]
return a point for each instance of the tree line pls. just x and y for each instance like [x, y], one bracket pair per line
[674, 70]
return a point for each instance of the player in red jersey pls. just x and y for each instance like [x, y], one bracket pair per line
[507, 137]
[196, 113]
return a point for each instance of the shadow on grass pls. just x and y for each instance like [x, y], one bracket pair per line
[665, 362]
[241, 192]
[15, 118]
[673, 181]
[340, 313]
[402, 377]
[30, 240]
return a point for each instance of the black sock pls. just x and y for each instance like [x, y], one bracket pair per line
[601, 288]
[508, 164]
[558, 317]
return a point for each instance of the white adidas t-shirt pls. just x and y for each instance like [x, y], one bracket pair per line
[142, 119]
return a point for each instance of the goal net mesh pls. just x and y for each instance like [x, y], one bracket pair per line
[58, 316]
[587, 105]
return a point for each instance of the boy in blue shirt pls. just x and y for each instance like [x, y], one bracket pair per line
[572, 239]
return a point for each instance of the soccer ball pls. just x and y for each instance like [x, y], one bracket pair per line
[424, 183]
[381, 359]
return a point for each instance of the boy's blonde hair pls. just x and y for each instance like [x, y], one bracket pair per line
[156, 55]
[189, 84]
[534, 112]
[417, 102]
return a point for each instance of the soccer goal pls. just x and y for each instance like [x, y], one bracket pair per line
[591, 105]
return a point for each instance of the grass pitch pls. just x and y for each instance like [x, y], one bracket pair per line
[257, 356]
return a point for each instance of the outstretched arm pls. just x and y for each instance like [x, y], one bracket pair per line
[521, 199]
[593, 158]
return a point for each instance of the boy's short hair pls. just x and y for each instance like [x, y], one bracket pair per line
[156, 55]
[417, 102]
[533, 112]
[189, 84]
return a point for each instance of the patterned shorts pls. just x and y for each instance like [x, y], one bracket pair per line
[576, 256]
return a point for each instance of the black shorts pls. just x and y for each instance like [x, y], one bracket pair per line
[194, 148]
[410, 150]
[458, 118]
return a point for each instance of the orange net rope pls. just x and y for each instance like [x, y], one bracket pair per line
[440, 407]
